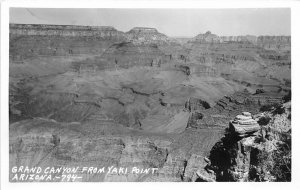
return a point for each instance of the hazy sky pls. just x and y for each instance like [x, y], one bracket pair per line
[172, 22]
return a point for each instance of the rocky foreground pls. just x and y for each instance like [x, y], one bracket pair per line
[97, 97]
[256, 151]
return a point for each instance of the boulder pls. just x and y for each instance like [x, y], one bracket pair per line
[248, 114]
[242, 118]
[244, 125]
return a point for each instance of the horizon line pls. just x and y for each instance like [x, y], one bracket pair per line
[147, 27]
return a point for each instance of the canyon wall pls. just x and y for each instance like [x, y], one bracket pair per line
[267, 42]
[27, 41]
[105, 32]
[92, 96]
[147, 35]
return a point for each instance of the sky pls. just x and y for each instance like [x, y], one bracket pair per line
[172, 22]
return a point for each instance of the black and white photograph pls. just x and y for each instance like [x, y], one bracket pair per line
[149, 95]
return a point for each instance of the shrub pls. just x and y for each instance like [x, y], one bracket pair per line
[282, 161]
[275, 108]
[264, 120]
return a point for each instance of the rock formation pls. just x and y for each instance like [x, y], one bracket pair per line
[147, 35]
[128, 54]
[207, 37]
[268, 42]
[243, 125]
[27, 41]
[104, 32]
[89, 96]
[239, 39]
[282, 43]
[253, 157]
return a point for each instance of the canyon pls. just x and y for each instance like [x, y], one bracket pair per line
[93, 96]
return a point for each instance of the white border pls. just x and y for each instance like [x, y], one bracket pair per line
[295, 13]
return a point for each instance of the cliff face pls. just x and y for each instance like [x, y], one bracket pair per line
[282, 43]
[141, 35]
[208, 37]
[275, 42]
[27, 41]
[147, 35]
[126, 55]
[264, 154]
[241, 39]
[105, 32]
[48, 143]
[257, 61]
